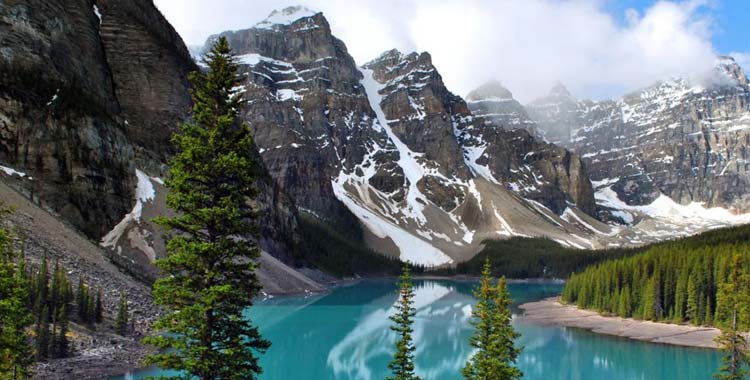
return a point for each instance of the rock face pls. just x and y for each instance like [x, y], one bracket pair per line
[687, 140]
[495, 103]
[505, 145]
[556, 114]
[90, 94]
[387, 143]
[149, 64]
[58, 113]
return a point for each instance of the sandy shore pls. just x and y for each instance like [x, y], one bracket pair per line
[550, 311]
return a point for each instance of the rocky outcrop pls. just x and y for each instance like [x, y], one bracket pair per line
[496, 104]
[307, 108]
[149, 65]
[385, 143]
[685, 139]
[504, 147]
[57, 113]
[90, 94]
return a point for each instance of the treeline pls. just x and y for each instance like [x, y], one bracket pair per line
[520, 257]
[681, 281]
[36, 306]
[340, 250]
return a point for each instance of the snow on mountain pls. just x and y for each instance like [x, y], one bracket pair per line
[427, 175]
[285, 17]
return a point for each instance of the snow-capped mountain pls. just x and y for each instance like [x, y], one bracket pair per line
[385, 145]
[669, 160]
[389, 144]
[686, 139]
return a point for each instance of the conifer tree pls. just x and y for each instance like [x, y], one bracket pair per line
[99, 312]
[478, 366]
[502, 348]
[731, 341]
[43, 335]
[493, 338]
[209, 273]
[402, 365]
[61, 346]
[15, 352]
[121, 323]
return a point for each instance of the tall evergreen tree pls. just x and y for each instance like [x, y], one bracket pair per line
[493, 338]
[99, 312]
[402, 365]
[15, 352]
[43, 335]
[121, 323]
[503, 349]
[209, 273]
[731, 340]
[62, 346]
[479, 366]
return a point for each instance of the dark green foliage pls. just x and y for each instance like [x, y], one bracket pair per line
[43, 335]
[493, 339]
[520, 257]
[402, 365]
[15, 350]
[209, 275]
[99, 310]
[123, 315]
[340, 251]
[733, 297]
[678, 281]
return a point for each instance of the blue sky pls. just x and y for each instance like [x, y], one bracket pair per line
[731, 21]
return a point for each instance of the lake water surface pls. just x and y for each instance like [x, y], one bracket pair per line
[344, 335]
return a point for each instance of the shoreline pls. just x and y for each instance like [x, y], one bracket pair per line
[551, 312]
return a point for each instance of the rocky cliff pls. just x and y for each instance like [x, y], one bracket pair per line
[686, 139]
[90, 94]
[389, 144]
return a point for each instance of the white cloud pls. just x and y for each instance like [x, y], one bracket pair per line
[528, 45]
[743, 59]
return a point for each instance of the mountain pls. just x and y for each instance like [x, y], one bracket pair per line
[387, 145]
[496, 104]
[684, 139]
[556, 113]
[90, 94]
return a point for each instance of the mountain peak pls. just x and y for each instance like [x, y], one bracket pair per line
[728, 68]
[286, 16]
[491, 89]
[560, 91]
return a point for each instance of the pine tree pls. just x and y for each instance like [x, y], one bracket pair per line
[402, 365]
[43, 335]
[15, 351]
[731, 341]
[121, 323]
[210, 268]
[81, 299]
[478, 367]
[99, 311]
[503, 350]
[61, 346]
[494, 336]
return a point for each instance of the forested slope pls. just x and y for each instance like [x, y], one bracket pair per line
[687, 280]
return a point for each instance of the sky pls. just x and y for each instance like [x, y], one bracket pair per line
[597, 48]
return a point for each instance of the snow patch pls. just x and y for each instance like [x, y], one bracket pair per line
[666, 209]
[98, 14]
[144, 193]
[411, 248]
[286, 16]
[11, 172]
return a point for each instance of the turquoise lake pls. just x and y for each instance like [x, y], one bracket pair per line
[344, 335]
